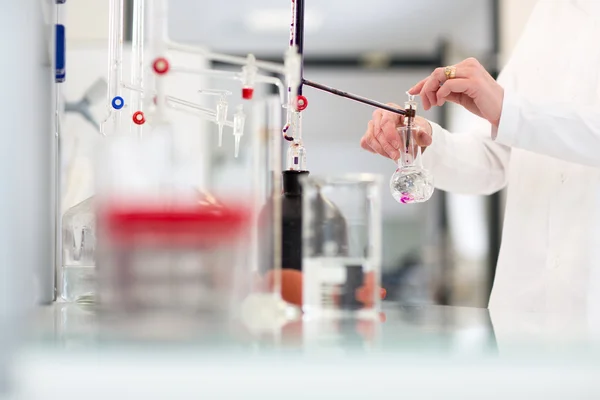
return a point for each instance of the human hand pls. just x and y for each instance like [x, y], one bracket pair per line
[382, 136]
[472, 87]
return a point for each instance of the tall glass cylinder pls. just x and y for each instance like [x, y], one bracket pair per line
[115, 61]
[341, 232]
[137, 61]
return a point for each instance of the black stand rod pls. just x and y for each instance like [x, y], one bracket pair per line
[299, 37]
[354, 97]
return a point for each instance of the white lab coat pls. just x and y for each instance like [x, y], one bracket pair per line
[547, 149]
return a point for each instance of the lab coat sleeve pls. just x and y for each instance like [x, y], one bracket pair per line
[562, 131]
[467, 163]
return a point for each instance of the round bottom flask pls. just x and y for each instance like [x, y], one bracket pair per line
[411, 183]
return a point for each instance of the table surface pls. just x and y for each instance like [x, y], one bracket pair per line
[492, 353]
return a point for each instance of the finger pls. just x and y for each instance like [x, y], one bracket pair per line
[424, 100]
[452, 98]
[365, 145]
[377, 116]
[364, 141]
[371, 140]
[389, 125]
[374, 144]
[417, 88]
[432, 85]
[423, 139]
[387, 147]
[454, 86]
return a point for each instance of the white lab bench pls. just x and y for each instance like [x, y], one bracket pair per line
[417, 353]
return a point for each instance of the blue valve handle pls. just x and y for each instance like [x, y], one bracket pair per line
[61, 45]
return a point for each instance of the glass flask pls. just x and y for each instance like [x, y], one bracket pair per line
[411, 183]
[341, 235]
[76, 275]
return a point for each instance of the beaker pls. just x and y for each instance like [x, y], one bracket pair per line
[341, 234]
[411, 183]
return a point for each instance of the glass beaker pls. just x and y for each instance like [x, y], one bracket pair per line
[341, 234]
[411, 183]
[76, 275]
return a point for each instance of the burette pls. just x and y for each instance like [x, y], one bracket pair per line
[297, 102]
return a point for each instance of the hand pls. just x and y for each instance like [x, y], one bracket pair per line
[383, 138]
[473, 88]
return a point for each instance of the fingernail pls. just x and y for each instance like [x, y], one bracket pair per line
[396, 144]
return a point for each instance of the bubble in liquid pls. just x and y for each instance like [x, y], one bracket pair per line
[411, 185]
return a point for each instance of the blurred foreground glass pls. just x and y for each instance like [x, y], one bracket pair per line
[173, 257]
[341, 232]
[176, 239]
[77, 273]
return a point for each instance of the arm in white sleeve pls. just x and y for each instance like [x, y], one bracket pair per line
[562, 131]
[467, 163]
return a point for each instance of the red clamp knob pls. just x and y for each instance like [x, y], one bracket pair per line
[138, 118]
[161, 66]
[247, 93]
[301, 103]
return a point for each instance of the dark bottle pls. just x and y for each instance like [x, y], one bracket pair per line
[326, 214]
[291, 214]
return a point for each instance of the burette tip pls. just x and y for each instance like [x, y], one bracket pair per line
[237, 146]
[220, 135]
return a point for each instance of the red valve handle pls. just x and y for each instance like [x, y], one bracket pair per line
[161, 66]
[138, 118]
[301, 103]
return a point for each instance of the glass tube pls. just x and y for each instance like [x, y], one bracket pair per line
[341, 253]
[115, 60]
[158, 44]
[296, 154]
[137, 62]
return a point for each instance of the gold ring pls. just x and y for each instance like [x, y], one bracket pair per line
[450, 72]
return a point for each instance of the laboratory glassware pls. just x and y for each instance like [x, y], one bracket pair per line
[411, 182]
[267, 309]
[341, 232]
[77, 273]
[172, 258]
[26, 175]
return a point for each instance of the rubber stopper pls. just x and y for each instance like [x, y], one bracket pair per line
[247, 93]
[301, 103]
[138, 118]
[161, 65]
